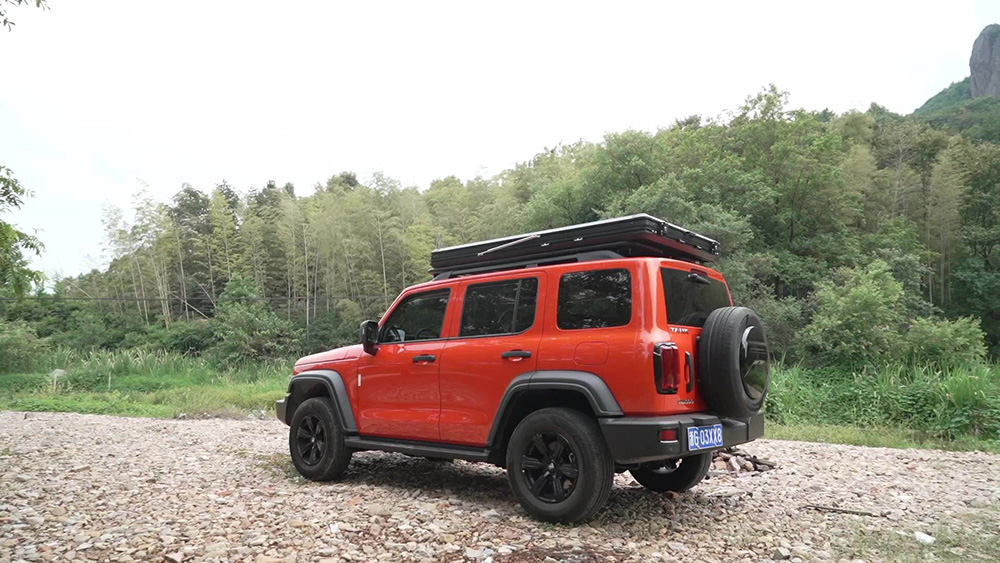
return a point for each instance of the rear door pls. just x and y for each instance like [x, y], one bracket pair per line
[691, 295]
[495, 341]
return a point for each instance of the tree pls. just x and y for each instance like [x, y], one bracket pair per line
[15, 272]
[5, 20]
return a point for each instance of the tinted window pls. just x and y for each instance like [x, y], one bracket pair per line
[500, 307]
[691, 296]
[418, 317]
[595, 299]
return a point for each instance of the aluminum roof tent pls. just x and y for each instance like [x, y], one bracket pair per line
[634, 235]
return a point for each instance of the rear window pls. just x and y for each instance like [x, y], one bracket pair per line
[691, 296]
[595, 299]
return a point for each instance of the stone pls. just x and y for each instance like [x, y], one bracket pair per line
[781, 553]
[985, 63]
[58, 511]
[175, 557]
[35, 520]
[924, 538]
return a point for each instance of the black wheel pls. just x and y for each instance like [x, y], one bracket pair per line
[559, 466]
[316, 441]
[734, 372]
[676, 475]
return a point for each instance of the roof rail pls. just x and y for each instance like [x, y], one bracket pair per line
[532, 263]
[634, 235]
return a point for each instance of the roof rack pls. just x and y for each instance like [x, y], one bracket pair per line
[634, 235]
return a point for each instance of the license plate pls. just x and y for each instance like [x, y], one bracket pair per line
[704, 437]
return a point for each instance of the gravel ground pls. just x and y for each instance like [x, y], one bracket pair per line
[84, 487]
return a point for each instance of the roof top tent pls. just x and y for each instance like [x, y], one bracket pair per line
[631, 236]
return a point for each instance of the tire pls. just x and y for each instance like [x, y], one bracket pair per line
[546, 449]
[316, 441]
[677, 475]
[734, 371]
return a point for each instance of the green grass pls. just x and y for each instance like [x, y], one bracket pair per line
[139, 383]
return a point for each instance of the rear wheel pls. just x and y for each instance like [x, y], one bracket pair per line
[559, 466]
[676, 475]
[316, 441]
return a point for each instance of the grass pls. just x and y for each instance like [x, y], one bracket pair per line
[877, 437]
[139, 383]
[967, 537]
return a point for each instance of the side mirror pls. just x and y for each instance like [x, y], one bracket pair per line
[369, 337]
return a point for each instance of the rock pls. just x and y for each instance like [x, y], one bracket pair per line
[733, 464]
[58, 511]
[923, 538]
[35, 520]
[781, 553]
[79, 468]
[985, 63]
[176, 557]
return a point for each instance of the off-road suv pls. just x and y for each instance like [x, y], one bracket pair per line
[564, 355]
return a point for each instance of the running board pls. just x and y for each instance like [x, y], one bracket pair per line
[423, 449]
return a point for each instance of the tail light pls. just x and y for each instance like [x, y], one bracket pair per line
[667, 367]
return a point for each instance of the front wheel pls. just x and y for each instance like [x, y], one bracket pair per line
[676, 475]
[559, 466]
[316, 441]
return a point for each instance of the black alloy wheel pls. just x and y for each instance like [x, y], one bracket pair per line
[559, 466]
[311, 440]
[316, 440]
[550, 467]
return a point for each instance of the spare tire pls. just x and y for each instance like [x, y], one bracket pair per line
[734, 370]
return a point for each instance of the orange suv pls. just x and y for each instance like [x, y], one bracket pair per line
[565, 356]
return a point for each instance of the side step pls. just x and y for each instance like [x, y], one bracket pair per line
[424, 449]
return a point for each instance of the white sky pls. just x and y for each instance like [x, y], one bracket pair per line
[97, 95]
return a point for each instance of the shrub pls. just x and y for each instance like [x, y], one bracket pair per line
[247, 330]
[20, 347]
[945, 342]
[857, 317]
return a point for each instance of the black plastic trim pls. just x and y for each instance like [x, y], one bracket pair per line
[590, 385]
[428, 449]
[337, 389]
[637, 439]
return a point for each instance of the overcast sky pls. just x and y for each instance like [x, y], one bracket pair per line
[97, 97]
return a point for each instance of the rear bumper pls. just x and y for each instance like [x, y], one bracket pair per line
[637, 440]
[279, 409]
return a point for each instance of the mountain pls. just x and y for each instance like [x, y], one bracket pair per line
[971, 106]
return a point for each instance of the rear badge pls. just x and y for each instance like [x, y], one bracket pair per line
[679, 329]
[686, 402]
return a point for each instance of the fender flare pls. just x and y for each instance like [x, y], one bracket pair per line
[335, 387]
[588, 384]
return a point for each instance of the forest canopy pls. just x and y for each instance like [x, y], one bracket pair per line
[858, 237]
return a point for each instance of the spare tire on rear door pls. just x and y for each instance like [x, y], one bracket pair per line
[733, 367]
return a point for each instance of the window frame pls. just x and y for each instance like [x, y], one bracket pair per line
[383, 328]
[631, 297]
[517, 300]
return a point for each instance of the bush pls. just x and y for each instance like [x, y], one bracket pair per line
[857, 317]
[20, 347]
[945, 342]
[247, 330]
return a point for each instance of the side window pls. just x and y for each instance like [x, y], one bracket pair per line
[505, 307]
[595, 299]
[418, 317]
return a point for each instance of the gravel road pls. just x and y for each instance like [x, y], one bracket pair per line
[85, 487]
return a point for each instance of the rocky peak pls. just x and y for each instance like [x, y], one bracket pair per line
[985, 63]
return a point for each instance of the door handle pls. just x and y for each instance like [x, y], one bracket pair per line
[424, 359]
[515, 354]
[689, 363]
